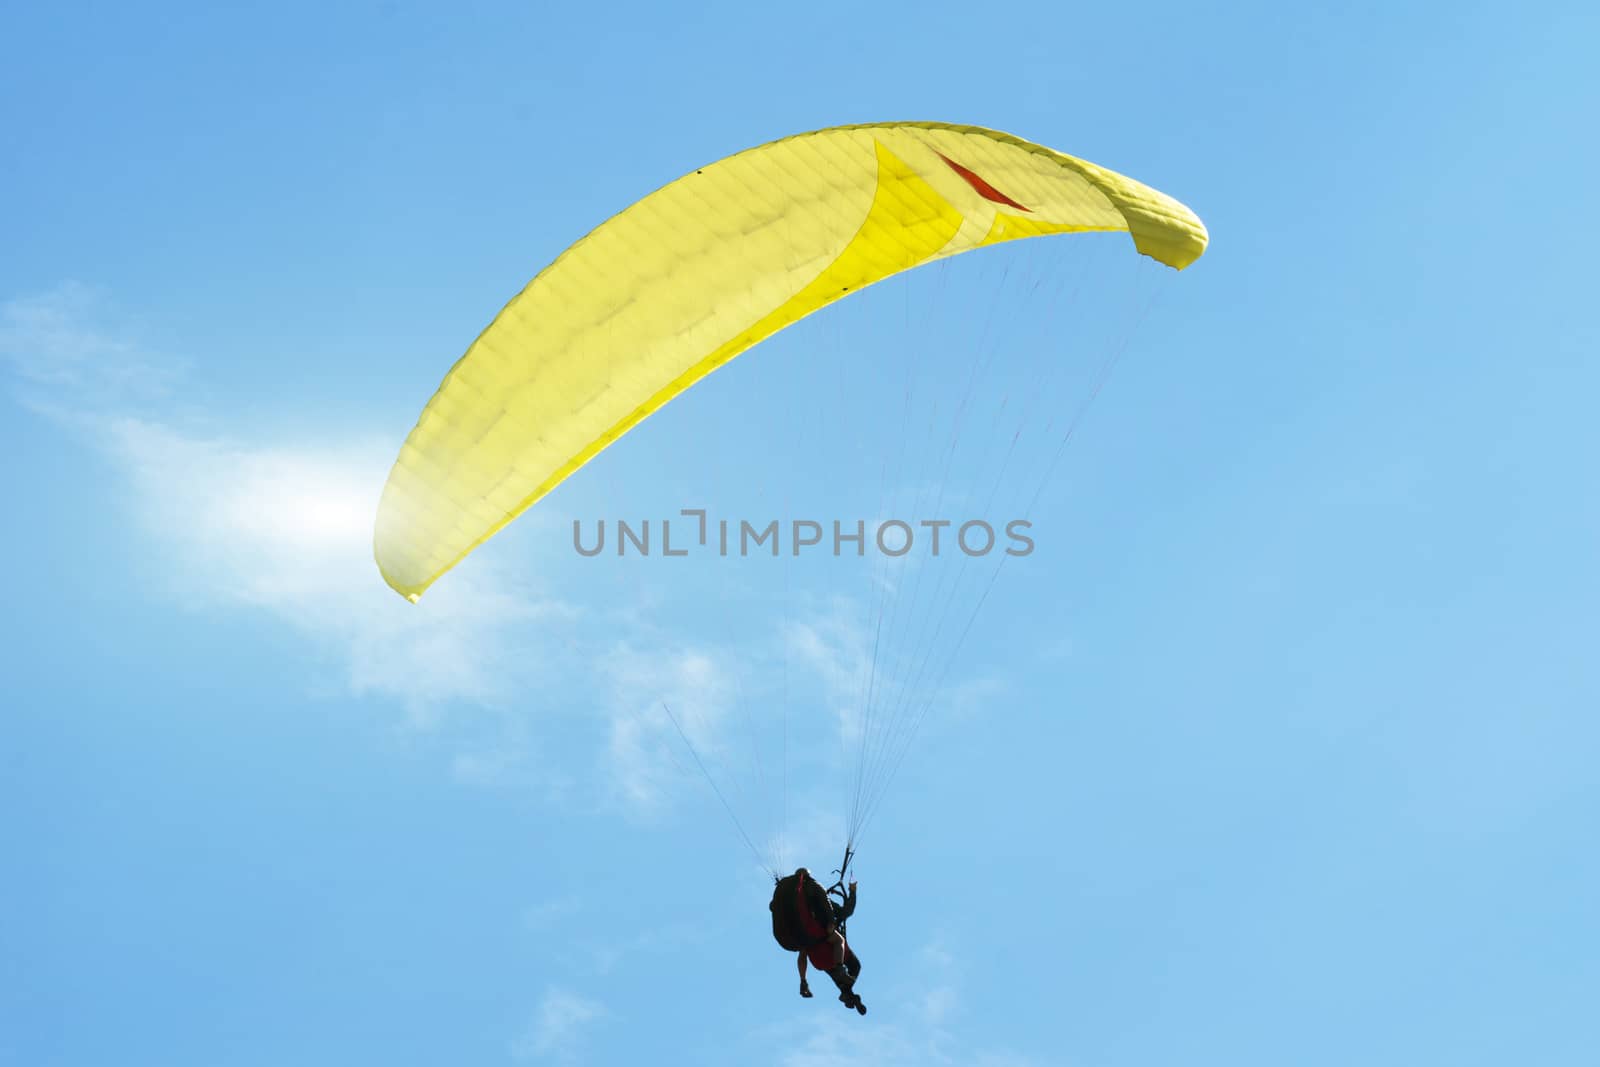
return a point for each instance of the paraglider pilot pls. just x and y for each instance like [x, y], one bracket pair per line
[805, 920]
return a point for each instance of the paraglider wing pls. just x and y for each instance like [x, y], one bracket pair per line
[678, 284]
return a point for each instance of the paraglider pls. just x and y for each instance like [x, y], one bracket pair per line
[676, 285]
[673, 287]
[807, 921]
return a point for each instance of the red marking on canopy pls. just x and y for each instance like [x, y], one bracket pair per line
[985, 190]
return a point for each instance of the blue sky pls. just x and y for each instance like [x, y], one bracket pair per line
[1282, 748]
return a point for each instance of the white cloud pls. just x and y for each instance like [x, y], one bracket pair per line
[56, 343]
[832, 644]
[941, 994]
[547, 914]
[504, 755]
[558, 1028]
[840, 1039]
[648, 758]
[839, 1042]
[288, 531]
[285, 529]
[656, 939]
[770, 758]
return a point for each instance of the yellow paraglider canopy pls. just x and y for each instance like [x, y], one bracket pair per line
[676, 285]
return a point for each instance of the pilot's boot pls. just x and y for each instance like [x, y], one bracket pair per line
[846, 984]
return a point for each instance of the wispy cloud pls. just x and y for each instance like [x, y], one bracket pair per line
[548, 914]
[559, 1027]
[280, 528]
[647, 756]
[60, 347]
[831, 643]
[838, 1042]
[767, 753]
[605, 954]
[288, 531]
[925, 1036]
